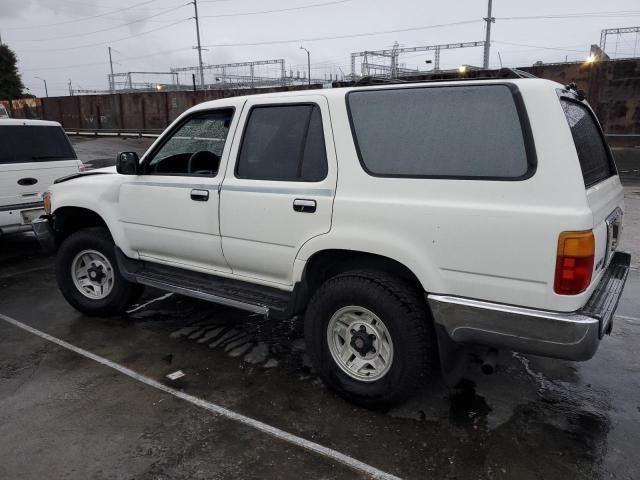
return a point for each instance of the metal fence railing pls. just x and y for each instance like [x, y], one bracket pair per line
[106, 132]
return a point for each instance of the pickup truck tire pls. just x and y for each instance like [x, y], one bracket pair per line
[391, 312]
[88, 274]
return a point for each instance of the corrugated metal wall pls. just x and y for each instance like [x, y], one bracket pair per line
[135, 111]
[612, 88]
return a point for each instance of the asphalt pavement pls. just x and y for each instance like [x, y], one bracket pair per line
[86, 398]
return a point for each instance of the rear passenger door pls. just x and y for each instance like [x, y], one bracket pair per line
[279, 186]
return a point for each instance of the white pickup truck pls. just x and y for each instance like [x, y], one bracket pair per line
[403, 221]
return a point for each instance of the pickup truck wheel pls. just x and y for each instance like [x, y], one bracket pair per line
[370, 337]
[88, 274]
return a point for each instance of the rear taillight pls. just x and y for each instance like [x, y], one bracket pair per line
[574, 263]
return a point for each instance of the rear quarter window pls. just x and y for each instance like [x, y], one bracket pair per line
[34, 143]
[595, 162]
[468, 132]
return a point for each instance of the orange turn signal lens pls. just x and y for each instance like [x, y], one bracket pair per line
[46, 200]
[574, 262]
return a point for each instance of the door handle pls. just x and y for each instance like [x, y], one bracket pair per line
[304, 205]
[200, 195]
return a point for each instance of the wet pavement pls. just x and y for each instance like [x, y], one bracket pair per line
[66, 416]
[100, 151]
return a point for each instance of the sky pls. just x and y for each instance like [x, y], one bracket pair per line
[67, 40]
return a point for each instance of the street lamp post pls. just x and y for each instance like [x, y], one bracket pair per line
[46, 92]
[308, 63]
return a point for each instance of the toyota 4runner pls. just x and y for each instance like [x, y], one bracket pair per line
[402, 221]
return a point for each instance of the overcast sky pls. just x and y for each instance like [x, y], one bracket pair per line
[62, 40]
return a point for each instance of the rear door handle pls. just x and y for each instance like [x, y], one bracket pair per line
[304, 205]
[200, 195]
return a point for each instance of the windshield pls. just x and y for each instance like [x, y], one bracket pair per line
[31, 143]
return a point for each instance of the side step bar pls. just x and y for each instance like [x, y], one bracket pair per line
[210, 297]
[232, 293]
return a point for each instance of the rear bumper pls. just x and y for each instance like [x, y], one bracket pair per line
[44, 234]
[571, 336]
[11, 220]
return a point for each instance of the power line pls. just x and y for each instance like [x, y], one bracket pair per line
[93, 5]
[623, 13]
[539, 47]
[102, 30]
[289, 9]
[82, 65]
[78, 47]
[337, 37]
[82, 19]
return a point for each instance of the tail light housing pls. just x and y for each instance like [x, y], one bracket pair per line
[574, 262]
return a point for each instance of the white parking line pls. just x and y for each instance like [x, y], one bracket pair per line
[628, 318]
[212, 407]
[140, 307]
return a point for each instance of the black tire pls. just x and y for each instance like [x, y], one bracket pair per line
[403, 310]
[123, 293]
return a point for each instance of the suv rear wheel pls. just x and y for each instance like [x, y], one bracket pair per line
[370, 337]
[88, 274]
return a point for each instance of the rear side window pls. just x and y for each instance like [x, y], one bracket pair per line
[587, 137]
[27, 143]
[283, 142]
[440, 132]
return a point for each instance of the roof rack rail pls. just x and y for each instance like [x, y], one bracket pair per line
[509, 73]
[506, 72]
[373, 80]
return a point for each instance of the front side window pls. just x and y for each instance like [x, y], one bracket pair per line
[283, 142]
[195, 148]
[442, 132]
[34, 143]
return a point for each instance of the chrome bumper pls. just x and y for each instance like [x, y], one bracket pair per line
[570, 336]
[44, 234]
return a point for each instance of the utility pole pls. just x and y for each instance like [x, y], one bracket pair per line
[308, 63]
[487, 41]
[199, 47]
[111, 68]
[46, 92]
[70, 89]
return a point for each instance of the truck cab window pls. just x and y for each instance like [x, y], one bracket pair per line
[195, 148]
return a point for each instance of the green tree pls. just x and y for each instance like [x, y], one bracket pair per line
[10, 82]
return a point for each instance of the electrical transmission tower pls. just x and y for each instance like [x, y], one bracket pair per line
[374, 62]
[617, 32]
[243, 74]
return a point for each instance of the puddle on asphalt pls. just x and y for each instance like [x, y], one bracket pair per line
[467, 408]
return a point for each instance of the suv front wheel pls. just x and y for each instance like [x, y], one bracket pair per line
[88, 274]
[370, 337]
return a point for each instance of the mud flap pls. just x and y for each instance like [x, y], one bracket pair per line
[453, 357]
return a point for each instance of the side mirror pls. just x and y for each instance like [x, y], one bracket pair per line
[127, 163]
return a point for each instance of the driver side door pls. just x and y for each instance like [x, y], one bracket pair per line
[169, 213]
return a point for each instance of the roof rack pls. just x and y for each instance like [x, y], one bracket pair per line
[514, 73]
[373, 80]
[510, 73]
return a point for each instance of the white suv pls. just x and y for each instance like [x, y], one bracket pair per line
[33, 153]
[403, 221]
